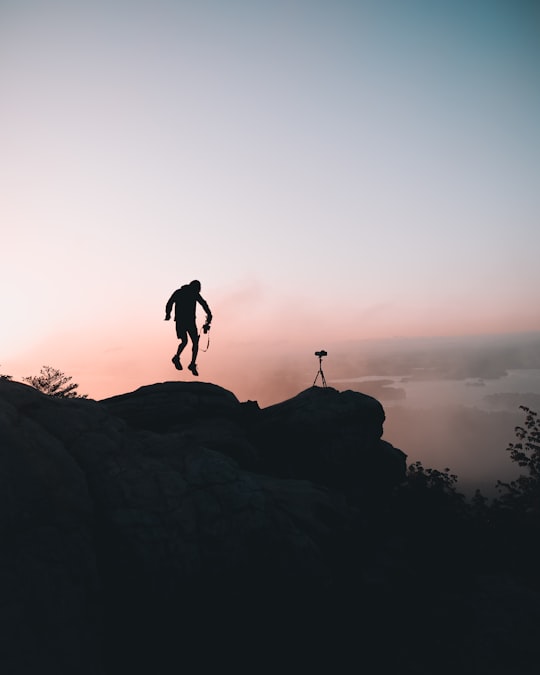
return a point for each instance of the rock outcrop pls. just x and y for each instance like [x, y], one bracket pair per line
[175, 529]
[332, 438]
[329, 437]
[134, 528]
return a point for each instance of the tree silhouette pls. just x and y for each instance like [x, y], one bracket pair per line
[5, 377]
[54, 382]
[524, 492]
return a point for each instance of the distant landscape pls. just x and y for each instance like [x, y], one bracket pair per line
[455, 402]
[450, 402]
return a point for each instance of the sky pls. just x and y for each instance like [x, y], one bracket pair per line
[333, 172]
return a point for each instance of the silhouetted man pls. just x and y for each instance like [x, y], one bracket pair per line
[185, 300]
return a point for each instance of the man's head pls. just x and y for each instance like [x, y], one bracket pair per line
[196, 285]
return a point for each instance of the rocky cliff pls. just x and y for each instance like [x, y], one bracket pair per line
[134, 528]
[175, 529]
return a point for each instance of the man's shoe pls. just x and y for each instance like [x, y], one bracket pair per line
[176, 360]
[193, 368]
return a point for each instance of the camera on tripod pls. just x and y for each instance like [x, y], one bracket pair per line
[320, 354]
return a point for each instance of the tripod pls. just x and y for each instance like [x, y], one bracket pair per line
[320, 371]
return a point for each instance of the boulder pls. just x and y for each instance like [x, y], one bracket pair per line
[169, 406]
[196, 410]
[49, 580]
[332, 438]
[329, 437]
[113, 536]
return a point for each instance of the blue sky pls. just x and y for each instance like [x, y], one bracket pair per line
[327, 169]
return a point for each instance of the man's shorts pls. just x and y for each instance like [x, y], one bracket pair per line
[183, 327]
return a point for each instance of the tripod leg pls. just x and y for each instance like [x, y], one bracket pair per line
[323, 379]
[320, 372]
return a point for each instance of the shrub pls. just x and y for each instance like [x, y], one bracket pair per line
[54, 382]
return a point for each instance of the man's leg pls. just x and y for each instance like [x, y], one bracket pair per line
[192, 330]
[181, 333]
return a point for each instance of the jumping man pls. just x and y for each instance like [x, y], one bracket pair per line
[185, 300]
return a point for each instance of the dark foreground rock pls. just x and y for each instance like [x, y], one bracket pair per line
[329, 437]
[136, 543]
[177, 530]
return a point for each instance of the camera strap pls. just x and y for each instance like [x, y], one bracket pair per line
[204, 349]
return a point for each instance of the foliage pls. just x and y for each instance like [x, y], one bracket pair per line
[524, 492]
[5, 377]
[429, 497]
[440, 485]
[54, 382]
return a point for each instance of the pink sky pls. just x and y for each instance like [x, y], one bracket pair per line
[257, 356]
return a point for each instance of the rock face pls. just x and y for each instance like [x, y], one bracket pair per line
[329, 437]
[133, 528]
[48, 568]
[176, 530]
[332, 438]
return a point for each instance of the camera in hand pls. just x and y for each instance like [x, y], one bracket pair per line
[206, 327]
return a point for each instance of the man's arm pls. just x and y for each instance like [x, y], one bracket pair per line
[202, 302]
[169, 306]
